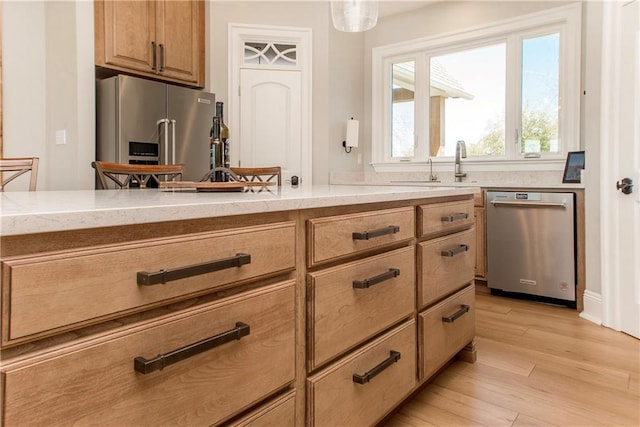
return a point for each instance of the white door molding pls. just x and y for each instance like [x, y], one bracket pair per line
[242, 34]
[619, 216]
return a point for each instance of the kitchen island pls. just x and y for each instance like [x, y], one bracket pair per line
[317, 305]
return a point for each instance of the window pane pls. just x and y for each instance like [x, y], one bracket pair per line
[468, 101]
[540, 96]
[402, 110]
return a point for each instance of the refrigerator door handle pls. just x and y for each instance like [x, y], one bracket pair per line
[173, 141]
[164, 123]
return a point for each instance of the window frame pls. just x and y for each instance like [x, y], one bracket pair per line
[565, 20]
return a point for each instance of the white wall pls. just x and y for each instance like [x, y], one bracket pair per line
[590, 137]
[328, 106]
[48, 78]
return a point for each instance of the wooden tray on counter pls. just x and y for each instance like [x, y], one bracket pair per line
[214, 186]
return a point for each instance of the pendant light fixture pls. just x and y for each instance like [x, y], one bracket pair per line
[353, 16]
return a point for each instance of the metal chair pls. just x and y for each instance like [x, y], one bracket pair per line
[142, 176]
[19, 166]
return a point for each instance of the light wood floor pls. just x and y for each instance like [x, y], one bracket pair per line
[537, 365]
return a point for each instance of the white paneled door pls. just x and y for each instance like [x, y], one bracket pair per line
[621, 166]
[270, 124]
[270, 98]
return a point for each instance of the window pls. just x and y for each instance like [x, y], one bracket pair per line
[510, 91]
[467, 101]
[402, 111]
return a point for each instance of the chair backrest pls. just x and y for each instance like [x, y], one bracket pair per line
[266, 174]
[142, 176]
[19, 166]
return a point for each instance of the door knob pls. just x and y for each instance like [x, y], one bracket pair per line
[625, 185]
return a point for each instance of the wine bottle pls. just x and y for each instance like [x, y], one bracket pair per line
[215, 155]
[224, 139]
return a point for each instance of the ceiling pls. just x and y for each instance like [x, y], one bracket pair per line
[391, 7]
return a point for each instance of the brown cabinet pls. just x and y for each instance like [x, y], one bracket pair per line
[353, 302]
[445, 329]
[442, 218]
[162, 39]
[445, 265]
[196, 327]
[363, 309]
[278, 412]
[446, 295]
[195, 367]
[303, 317]
[53, 292]
[480, 216]
[361, 388]
[336, 237]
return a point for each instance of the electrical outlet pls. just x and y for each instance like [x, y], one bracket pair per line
[61, 137]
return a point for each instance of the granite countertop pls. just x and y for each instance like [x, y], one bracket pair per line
[46, 211]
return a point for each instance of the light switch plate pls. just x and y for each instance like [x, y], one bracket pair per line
[61, 137]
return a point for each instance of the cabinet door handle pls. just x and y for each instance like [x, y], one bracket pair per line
[455, 251]
[158, 363]
[161, 67]
[367, 283]
[164, 276]
[394, 356]
[450, 319]
[366, 235]
[454, 217]
[154, 56]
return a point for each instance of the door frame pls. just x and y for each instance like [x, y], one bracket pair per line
[610, 228]
[237, 35]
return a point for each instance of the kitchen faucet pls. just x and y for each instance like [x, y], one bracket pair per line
[432, 177]
[461, 151]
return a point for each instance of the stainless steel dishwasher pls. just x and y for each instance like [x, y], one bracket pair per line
[531, 245]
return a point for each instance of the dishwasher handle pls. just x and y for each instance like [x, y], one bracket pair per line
[497, 203]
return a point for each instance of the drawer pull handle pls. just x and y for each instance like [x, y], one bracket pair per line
[366, 235]
[454, 217]
[164, 276]
[455, 251]
[158, 363]
[367, 283]
[394, 356]
[450, 319]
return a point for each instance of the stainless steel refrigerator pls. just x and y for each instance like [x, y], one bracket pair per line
[147, 122]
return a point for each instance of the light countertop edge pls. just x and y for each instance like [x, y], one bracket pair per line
[49, 211]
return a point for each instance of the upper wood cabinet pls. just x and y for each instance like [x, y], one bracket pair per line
[154, 38]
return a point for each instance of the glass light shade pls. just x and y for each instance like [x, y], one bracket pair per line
[353, 16]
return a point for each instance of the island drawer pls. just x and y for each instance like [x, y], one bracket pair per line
[363, 387]
[442, 218]
[242, 350]
[352, 302]
[445, 329]
[50, 293]
[278, 412]
[332, 238]
[445, 264]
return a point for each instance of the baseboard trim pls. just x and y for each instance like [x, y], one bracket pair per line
[592, 307]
